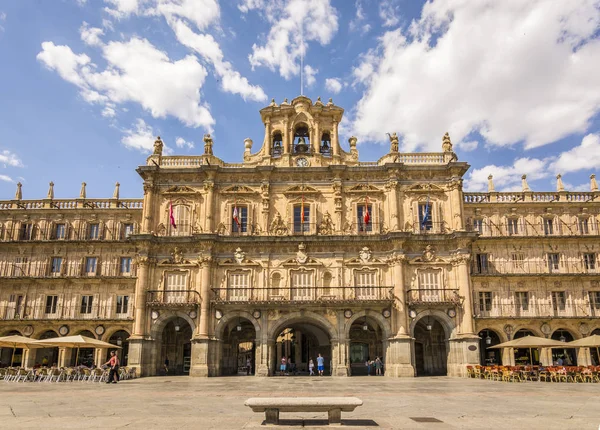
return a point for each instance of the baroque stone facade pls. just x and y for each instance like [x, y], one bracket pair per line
[301, 250]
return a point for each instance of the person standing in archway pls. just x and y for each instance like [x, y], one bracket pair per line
[283, 365]
[320, 364]
[378, 366]
[248, 366]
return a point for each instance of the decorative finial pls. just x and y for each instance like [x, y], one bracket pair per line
[446, 143]
[352, 141]
[491, 184]
[208, 144]
[319, 98]
[116, 193]
[158, 146]
[330, 102]
[248, 144]
[50, 191]
[524, 184]
[82, 192]
[559, 183]
[393, 142]
[19, 193]
[273, 103]
[593, 183]
[285, 102]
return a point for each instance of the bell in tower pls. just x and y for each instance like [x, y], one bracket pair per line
[300, 137]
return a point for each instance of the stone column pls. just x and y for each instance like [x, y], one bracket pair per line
[29, 357]
[100, 356]
[400, 313]
[287, 137]
[394, 220]
[143, 264]
[64, 357]
[316, 142]
[209, 188]
[148, 208]
[205, 296]
[461, 265]
[584, 357]
[268, 137]
[456, 222]
[335, 144]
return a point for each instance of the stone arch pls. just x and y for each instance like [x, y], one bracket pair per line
[383, 323]
[166, 316]
[303, 317]
[230, 317]
[498, 330]
[446, 322]
[112, 330]
[12, 332]
[87, 330]
[564, 327]
[39, 334]
[535, 331]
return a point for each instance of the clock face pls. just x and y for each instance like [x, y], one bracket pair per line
[301, 162]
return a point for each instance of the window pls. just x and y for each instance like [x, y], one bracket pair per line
[548, 226]
[478, 225]
[86, 304]
[94, 231]
[60, 231]
[55, 265]
[26, 232]
[239, 219]
[127, 230]
[366, 283]
[522, 299]
[558, 300]
[302, 285]
[16, 307]
[513, 226]
[518, 260]
[429, 286]
[176, 287]
[425, 219]
[125, 265]
[301, 223]
[51, 302]
[182, 216]
[364, 226]
[584, 226]
[90, 265]
[21, 266]
[594, 299]
[238, 286]
[482, 263]
[553, 262]
[122, 304]
[485, 301]
[589, 261]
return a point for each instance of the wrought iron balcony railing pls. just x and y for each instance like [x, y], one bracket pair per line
[537, 266]
[433, 296]
[537, 310]
[172, 297]
[61, 311]
[303, 294]
[537, 229]
[66, 269]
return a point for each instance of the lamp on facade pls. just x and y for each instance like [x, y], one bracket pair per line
[177, 326]
[488, 339]
[428, 326]
[562, 337]
[119, 341]
[239, 325]
[365, 326]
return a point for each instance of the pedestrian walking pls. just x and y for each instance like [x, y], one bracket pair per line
[248, 366]
[320, 364]
[311, 367]
[368, 365]
[113, 375]
[378, 366]
[166, 365]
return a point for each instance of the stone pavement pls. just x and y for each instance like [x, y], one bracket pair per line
[218, 403]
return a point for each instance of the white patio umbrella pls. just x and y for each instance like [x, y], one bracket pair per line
[530, 342]
[76, 341]
[16, 341]
[586, 342]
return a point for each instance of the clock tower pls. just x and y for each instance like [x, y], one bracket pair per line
[301, 134]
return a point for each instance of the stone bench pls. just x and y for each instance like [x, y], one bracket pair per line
[332, 405]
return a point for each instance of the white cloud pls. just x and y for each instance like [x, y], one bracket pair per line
[508, 178]
[90, 35]
[137, 72]
[8, 158]
[357, 22]
[513, 71]
[6, 178]
[205, 45]
[201, 12]
[333, 85]
[388, 12]
[140, 137]
[81, 2]
[292, 21]
[582, 157]
[247, 5]
[471, 145]
[309, 75]
[182, 143]
[109, 112]
[123, 8]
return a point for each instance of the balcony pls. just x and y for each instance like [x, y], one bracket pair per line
[309, 295]
[172, 298]
[536, 267]
[64, 312]
[76, 269]
[536, 310]
[429, 297]
[536, 229]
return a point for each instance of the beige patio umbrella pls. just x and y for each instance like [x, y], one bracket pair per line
[16, 341]
[530, 342]
[76, 341]
[592, 341]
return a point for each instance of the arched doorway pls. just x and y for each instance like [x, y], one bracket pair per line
[176, 347]
[47, 356]
[7, 353]
[301, 342]
[489, 357]
[431, 348]
[239, 347]
[85, 356]
[120, 338]
[566, 356]
[366, 344]
[525, 355]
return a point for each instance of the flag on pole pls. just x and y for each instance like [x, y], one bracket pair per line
[171, 216]
[367, 215]
[236, 216]
[425, 215]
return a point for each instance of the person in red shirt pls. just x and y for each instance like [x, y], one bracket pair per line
[113, 375]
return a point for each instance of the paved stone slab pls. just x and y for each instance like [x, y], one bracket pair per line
[218, 403]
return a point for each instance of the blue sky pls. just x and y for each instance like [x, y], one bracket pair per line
[86, 84]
